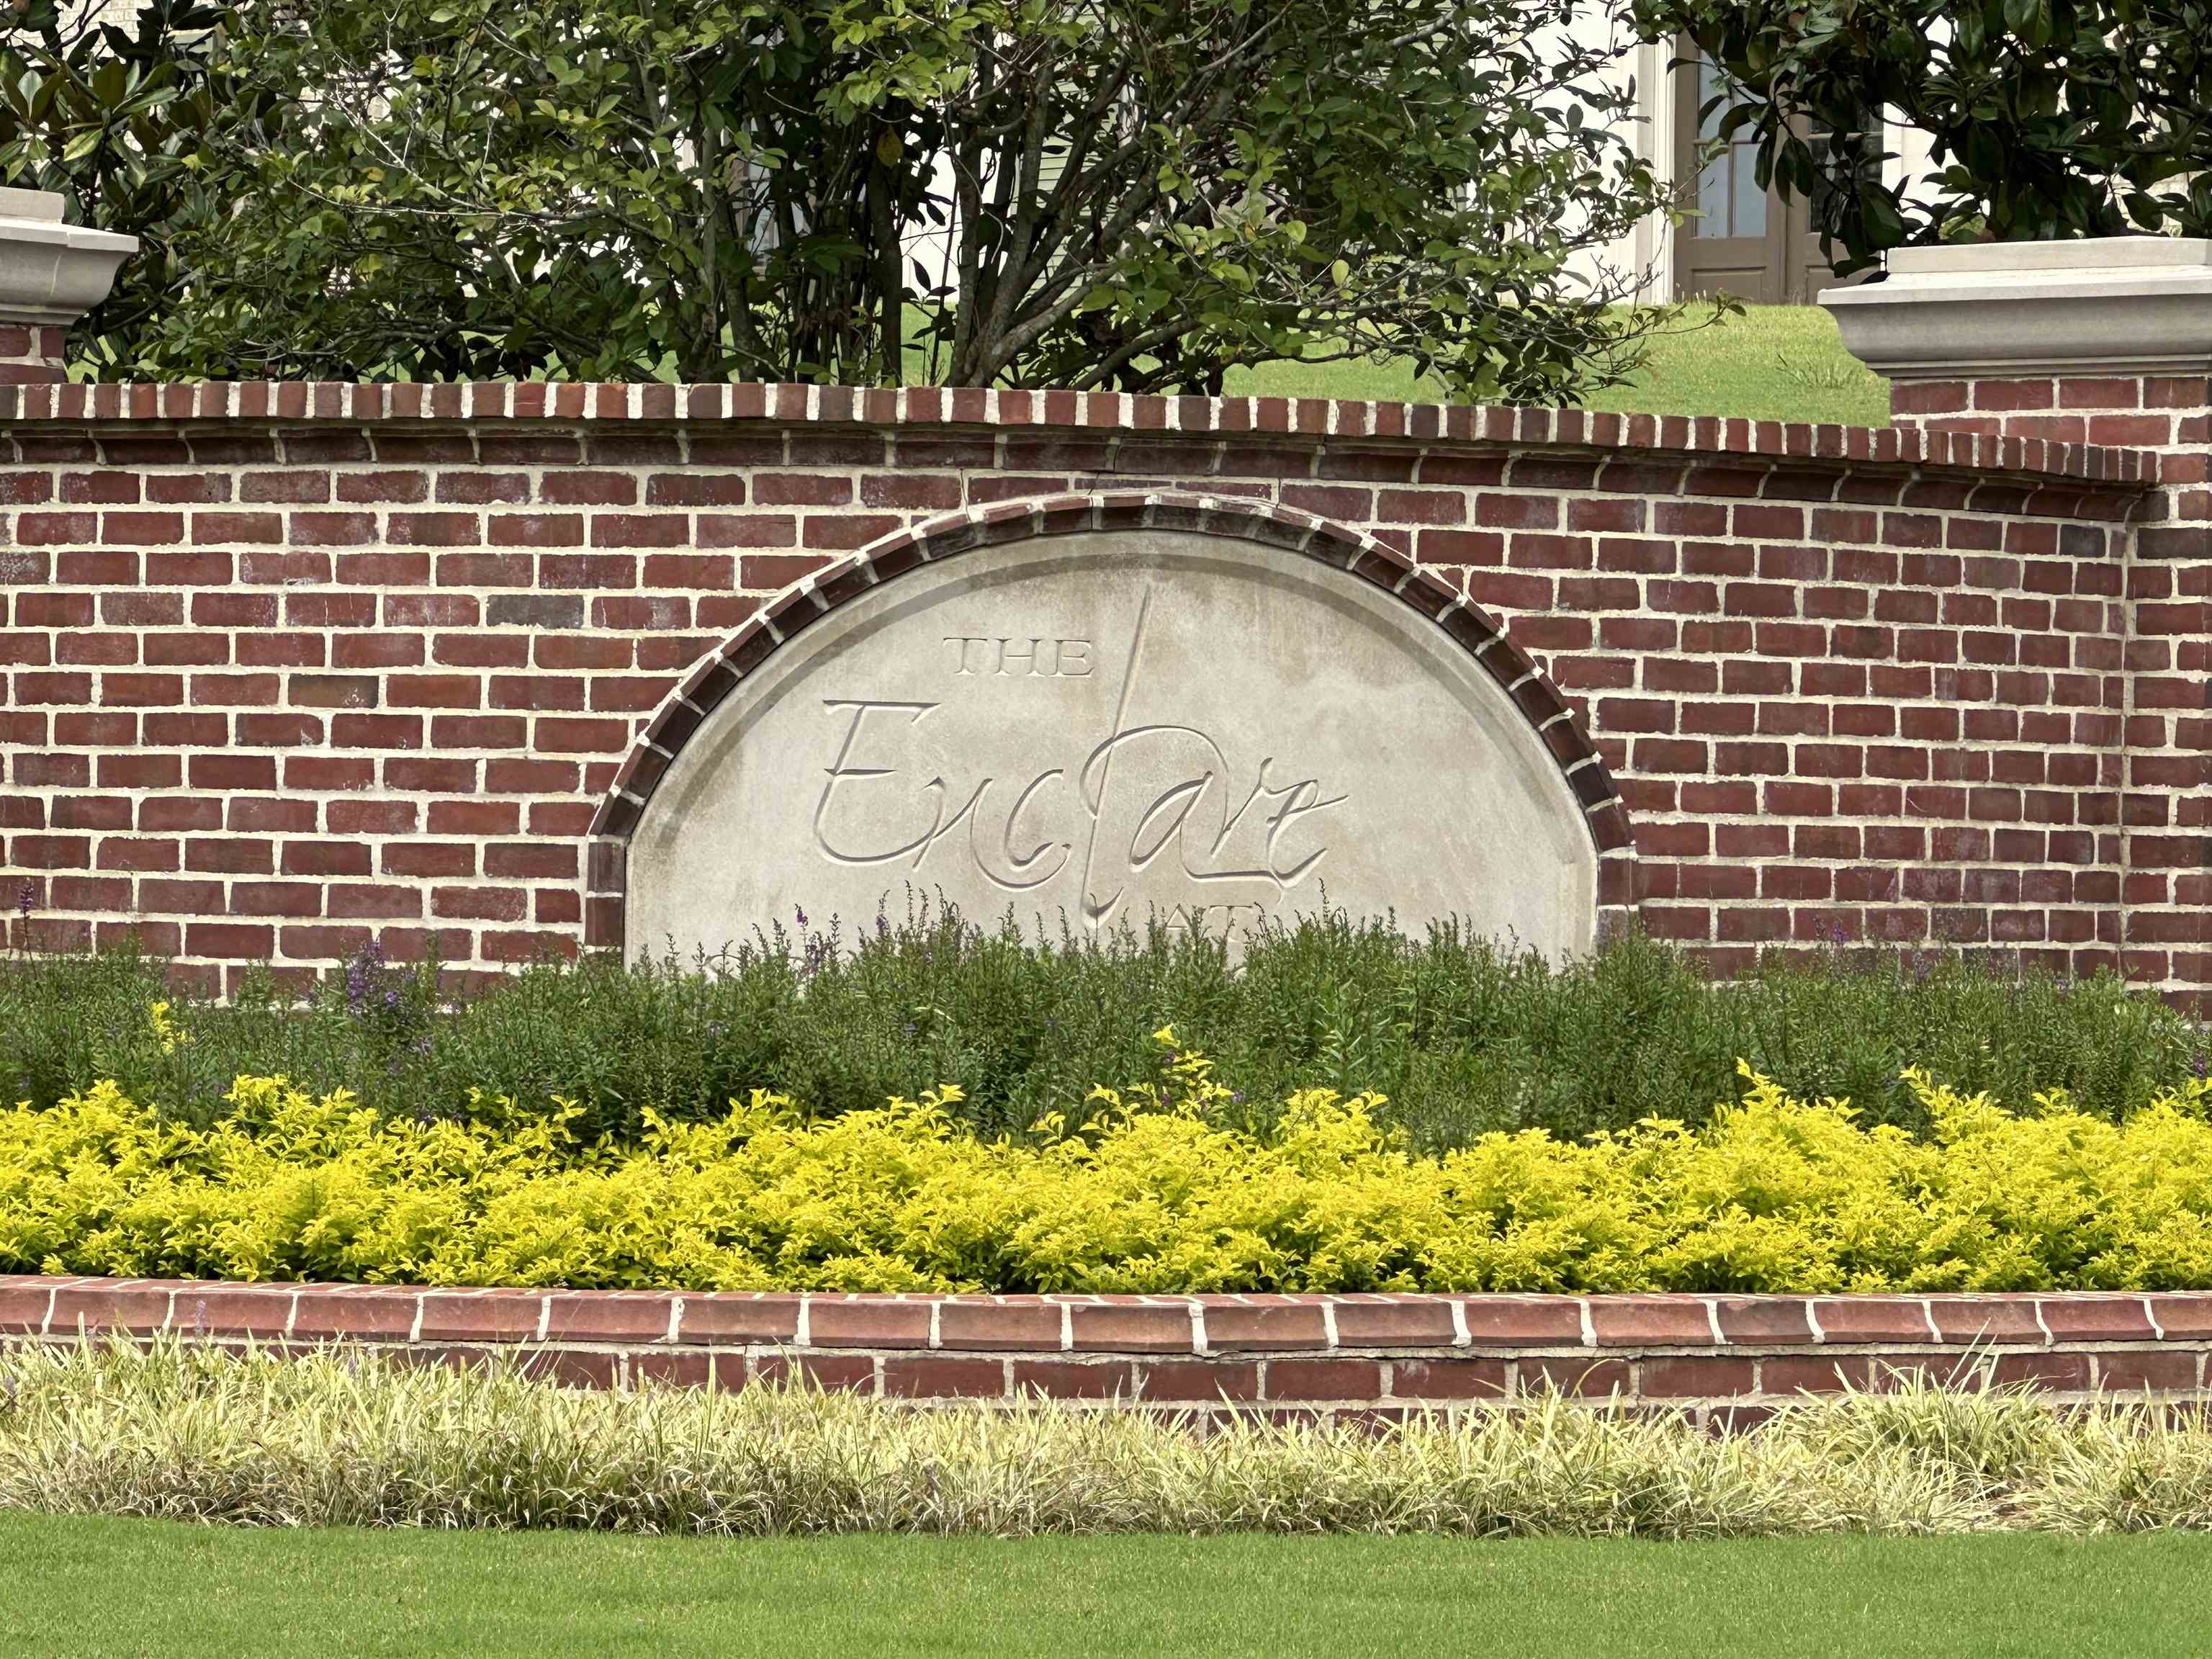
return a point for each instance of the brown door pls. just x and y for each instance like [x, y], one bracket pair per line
[1808, 270]
[1737, 238]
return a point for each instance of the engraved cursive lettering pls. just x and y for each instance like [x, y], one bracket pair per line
[1185, 826]
[842, 769]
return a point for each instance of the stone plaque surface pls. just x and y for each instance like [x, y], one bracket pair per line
[1107, 726]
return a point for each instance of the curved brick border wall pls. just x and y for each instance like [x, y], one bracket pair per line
[1721, 1356]
[291, 667]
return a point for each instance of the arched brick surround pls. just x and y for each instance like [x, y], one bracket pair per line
[935, 540]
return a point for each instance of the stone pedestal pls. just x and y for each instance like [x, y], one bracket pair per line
[51, 274]
[2107, 341]
[2127, 306]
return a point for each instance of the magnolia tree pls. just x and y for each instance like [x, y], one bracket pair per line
[1138, 194]
[2047, 118]
[115, 113]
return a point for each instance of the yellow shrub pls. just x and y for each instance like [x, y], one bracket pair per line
[1149, 1195]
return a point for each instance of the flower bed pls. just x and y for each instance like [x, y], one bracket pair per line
[1160, 1190]
[1460, 1037]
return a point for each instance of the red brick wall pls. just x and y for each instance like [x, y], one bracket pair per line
[2166, 809]
[289, 668]
[1720, 1358]
[31, 353]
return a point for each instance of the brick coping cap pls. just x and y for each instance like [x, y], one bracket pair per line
[1098, 413]
[58, 1305]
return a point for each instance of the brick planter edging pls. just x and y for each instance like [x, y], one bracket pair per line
[1360, 1353]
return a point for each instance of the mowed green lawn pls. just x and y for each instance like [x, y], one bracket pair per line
[1770, 363]
[76, 1589]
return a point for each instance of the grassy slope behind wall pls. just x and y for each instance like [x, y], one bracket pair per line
[1767, 363]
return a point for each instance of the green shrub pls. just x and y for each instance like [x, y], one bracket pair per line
[352, 1439]
[1460, 1037]
[1156, 1191]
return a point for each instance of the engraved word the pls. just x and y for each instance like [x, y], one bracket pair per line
[1016, 658]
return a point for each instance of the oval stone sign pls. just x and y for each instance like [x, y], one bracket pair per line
[1107, 726]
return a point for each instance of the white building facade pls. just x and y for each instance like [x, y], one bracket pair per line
[1733, 236]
